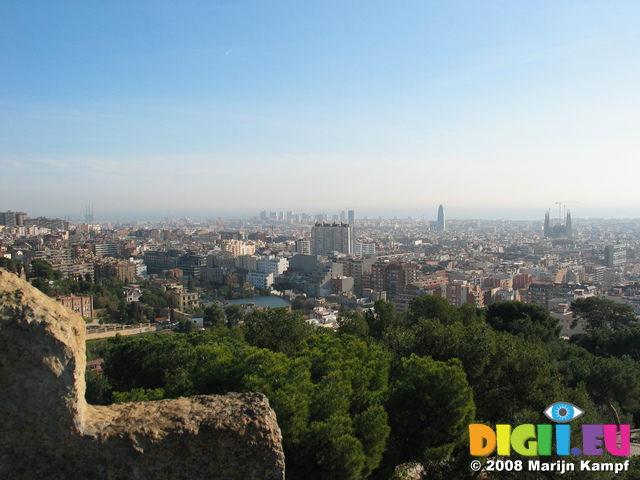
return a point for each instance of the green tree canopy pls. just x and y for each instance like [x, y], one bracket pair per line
[347, 429]
[301, 302]
[42, 284]
[352, 323]
[382, 317]
[602, 314]
[474, 345]
[517, 382]
[353, 405]
[612, 343]
[608, 381]
[41, 269]
[147, 362]
[234, 314]
[186, 326]
[213, 315]
[431, 306]
[154, 297]
[328, 395]
[10, 265]
[523, 318]
[276, 329]
[430, 406]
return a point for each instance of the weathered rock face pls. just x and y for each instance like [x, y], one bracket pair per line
[48, 431]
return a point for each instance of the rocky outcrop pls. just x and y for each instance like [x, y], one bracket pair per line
[48, 431]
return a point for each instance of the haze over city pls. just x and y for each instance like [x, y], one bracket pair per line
[494, 109]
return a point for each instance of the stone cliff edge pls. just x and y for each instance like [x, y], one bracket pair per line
[48, 431]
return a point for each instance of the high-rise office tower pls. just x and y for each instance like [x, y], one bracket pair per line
[89, 217]
[440, 227]
[615, 256]
[352, 217]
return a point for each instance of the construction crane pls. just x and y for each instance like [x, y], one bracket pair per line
[565, 209]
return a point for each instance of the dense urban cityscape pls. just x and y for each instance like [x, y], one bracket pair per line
[340, 261]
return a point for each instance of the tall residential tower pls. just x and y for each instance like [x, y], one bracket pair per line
[332, 237]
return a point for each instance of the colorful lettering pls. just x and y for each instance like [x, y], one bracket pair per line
[544, 439]
[482, 440]
[611, 440]
[523, 440]
[504, 439]
[592, 439]
[563, 439]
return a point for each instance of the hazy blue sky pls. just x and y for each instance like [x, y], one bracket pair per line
[496, 109]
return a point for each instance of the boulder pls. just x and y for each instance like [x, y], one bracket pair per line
[47, 430]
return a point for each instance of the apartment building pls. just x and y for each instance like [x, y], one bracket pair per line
[332, 237]
[81, 304]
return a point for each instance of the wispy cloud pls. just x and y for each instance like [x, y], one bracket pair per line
[10, 164]
[55, 164]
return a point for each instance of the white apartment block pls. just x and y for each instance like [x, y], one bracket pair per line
[271, 264]
[361, 249]
[260, 279]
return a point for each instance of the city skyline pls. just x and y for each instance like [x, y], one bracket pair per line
[495, 110]
[548, 220]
